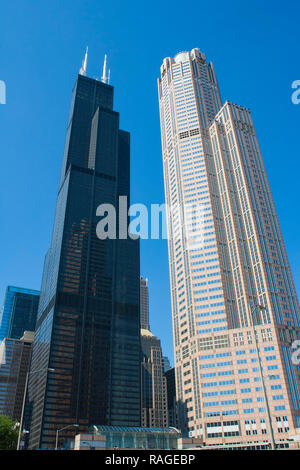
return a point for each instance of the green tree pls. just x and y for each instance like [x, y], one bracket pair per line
[9, 431]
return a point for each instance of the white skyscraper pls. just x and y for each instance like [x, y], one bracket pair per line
[234, 305]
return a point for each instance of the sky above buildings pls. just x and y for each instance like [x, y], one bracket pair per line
[255, 50]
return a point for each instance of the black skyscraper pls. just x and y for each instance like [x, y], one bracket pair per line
[88, 319]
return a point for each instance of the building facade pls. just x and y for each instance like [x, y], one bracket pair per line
[144, 304]
[154, 411]
[15, 356]
[154, 388]
[88, 318]
[234, 306]
[171, 396]
[18, 312]
[166, 364]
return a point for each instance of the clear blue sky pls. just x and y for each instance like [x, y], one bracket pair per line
[254, 46]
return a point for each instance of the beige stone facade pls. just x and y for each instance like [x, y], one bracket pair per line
[153, 383]
[234, 304]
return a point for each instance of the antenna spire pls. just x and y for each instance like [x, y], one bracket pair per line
[104, 77]
[82, 70]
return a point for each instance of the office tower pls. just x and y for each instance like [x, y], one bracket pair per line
[234, 305]
[144, 303]
[154, 391]
[88, 319]
[171, 396]
[19, 312]
[153, 383]
[15, 355]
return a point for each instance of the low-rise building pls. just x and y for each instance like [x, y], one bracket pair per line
[122, 437]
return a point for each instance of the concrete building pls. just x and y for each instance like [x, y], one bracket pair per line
[234, 306]
[87, 442]
[15, 355]
[153, 382]
[154, 411]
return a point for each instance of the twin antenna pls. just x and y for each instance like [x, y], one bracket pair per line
[105, 78]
